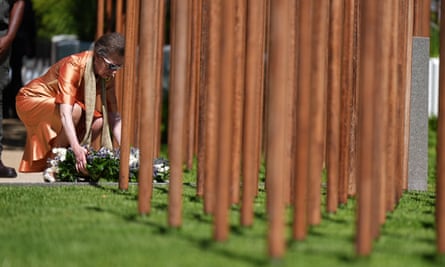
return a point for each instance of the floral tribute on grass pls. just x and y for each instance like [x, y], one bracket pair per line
[101, 164]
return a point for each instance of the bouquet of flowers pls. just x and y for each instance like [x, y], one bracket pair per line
[101, 164]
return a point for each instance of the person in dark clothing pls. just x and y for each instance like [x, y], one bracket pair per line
[11, 13]
[23, 45]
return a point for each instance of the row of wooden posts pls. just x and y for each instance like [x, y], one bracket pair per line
[297, 85]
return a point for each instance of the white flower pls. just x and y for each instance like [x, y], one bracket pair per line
[161, 168]
[54, 162]
[134, 159]
[60, 153]
[48, 175]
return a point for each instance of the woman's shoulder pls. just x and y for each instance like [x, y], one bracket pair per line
[80, 58]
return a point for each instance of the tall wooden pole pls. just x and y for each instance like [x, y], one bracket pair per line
[181, 11]
[202, 101]
[422, 18]
[109, 16]
[214, 46]
[119, 28]
[190, 95]
[318, 108]
[348, 103]
[392, 154]
[440, 183]
[406, 49]
[150, 65]
[276, 127]
[131, 31]
[225, 118]
[290, 116]
[379, 128]
[408, 73]
[100, 18]
[160, 45]
[119, 16]
[238, 97]
[333, 108]
[256, 38]
[195, 59]
[303, 119]
[368, 76]
[400, 120]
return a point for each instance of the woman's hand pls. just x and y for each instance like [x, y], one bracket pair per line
[81, 159]
[70, 131]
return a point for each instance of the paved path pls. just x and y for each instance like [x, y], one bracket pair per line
[13, 143]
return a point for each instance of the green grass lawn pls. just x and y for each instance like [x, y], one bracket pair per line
[86, 225]
[99, 226]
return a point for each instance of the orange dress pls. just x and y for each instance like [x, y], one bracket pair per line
[38, 102]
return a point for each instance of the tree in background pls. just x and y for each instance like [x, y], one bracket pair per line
[434, 26]
[66, 17]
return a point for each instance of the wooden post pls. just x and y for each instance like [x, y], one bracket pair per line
[160, 74]
[369, 84]
[225, 118]
[131, 30]
[194, 82]
[440, 182]
[303, 117]
[134, 123]
[333, 108]
[347, 102]
[238, 98]
[276, 127]
[119, 76]
[405, 35]
[422, 18]
[119, 17]
[109, 16]
[352, 184]
[189, 116]
[392, 153]
[214, 46]
[150, 65]
[318, 108]
[202, 102]
[409, 22]
[379, 156]
[100, 18]
[256, 18]
[290, 116]
[179, 36]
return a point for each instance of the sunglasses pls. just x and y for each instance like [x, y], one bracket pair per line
[110, 65]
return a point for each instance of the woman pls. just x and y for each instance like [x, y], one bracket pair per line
[65, 107]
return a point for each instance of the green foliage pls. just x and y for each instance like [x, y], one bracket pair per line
[67, 168]
[103, 164]
[66, 17]
[434, 41]
[432, 143]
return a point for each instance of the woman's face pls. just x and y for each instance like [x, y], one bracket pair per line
[106, 67]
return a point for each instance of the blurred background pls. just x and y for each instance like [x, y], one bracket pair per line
[53, 29]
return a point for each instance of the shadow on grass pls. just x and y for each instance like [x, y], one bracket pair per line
[331, 217]
[434, 258]
[210, 246]
[203, 243]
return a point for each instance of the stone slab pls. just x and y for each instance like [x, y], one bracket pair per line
[418, 136]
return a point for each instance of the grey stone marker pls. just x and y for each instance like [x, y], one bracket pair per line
[418, 136]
